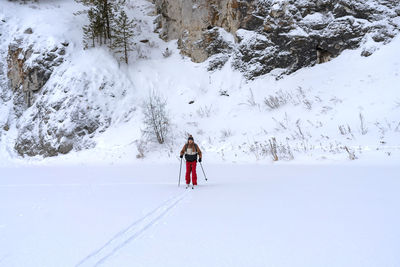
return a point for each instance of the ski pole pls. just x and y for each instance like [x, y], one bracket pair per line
[203, 171]
[180, 170]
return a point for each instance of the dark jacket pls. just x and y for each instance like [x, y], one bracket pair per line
[188, 157]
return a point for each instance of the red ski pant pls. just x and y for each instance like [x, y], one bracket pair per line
[191, 167]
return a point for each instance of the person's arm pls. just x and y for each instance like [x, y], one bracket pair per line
[199, 152]
[183, 150]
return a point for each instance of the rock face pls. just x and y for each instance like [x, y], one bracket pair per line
[193, 24]
[271, 34]
[65, 115]
[28, 71]
[51, 127]
[54, 108]
[50, 118]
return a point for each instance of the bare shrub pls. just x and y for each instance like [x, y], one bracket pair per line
[256, 150]
[363, 128]
[318, 99]
[381, 128]
[141, 148]
[273, 150]
[326, 109]
[307, 104]
[300, 92]
[225, 133]
[336, 100]
[271, 147]
[281, 124]
[299, 129]
[204, 111]
[300, 98]
[223, 92]
[278, 100]
[250, 100]
[167, 53]
[351, 153]
[397, 127]
[285, 152]
[141, 52]
[281, 98]
[344, 129]
[156, 119]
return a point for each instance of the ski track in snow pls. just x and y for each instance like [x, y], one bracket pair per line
[129, 234]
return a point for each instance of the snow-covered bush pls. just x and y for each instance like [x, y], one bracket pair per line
[167, 53]
[141, 148]
[278, 100]
[344, 129]
[350, 152]
[363, 128]
[226, 133]
[204, 112]
[156, 120]
[276, 150]
[250, 100]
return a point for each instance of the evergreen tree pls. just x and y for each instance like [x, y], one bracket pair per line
[105, 28]
[90, 31]
[101, 16]
[123, 33]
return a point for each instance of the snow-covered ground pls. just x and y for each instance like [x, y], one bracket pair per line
[245, 215]
[105, 207]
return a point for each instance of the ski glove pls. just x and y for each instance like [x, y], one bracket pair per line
[181, 156]
[199, 159]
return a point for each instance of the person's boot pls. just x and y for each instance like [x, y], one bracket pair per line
[187, 186]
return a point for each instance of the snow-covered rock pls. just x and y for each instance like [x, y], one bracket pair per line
[54, 95]
[297, 33]
[195, 25]
[28, 70]
[77, 102]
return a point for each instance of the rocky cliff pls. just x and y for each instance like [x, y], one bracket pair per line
[28, 70]
[53, 106]
[270, 34]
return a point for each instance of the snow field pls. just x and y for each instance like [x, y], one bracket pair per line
[246, 215]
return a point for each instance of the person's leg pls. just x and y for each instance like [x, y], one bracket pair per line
[188, 169]
[194, 174]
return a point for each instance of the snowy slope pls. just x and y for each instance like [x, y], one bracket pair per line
[315, 102]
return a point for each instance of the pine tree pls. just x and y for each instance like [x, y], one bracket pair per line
[105, 28]
[90, 31]
[123, 33]
[101, 16]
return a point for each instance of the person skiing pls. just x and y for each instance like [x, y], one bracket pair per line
[191, 150]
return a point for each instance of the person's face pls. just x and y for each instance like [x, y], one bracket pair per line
[190, 141]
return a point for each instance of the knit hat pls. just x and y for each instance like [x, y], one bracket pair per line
[190, 138]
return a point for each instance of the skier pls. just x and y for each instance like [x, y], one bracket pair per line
[191, 150]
